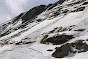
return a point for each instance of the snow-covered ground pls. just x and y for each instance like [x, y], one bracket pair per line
[37, 50]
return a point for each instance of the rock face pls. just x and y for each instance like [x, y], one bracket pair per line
[62, 51]
[55, 4]
[34, 12]
[68, 48]
[26, 17]
[59, 39]
[80, 45]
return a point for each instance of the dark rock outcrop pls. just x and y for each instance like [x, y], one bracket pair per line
[60, 39]
[55, 4]
[80, 45]
[66, 49]
[33, 12]
[62, 51]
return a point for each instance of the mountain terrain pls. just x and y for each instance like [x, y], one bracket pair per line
[54, 31]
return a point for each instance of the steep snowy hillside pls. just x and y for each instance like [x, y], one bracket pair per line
[56, 31]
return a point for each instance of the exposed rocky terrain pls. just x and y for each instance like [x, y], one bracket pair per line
[53, 31]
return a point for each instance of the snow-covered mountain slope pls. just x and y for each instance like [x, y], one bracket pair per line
[56, 31]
